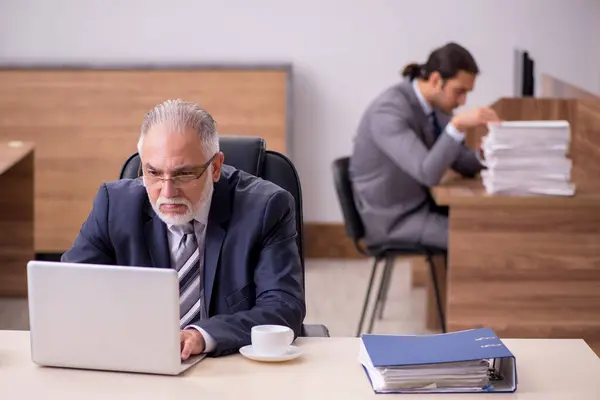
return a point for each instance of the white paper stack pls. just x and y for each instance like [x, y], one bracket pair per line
[528, 158]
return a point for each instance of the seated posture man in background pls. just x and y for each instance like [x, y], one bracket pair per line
[230, 235]
[406, 141]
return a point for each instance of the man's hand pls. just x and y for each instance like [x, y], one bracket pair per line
[192, 343]
[474, 117]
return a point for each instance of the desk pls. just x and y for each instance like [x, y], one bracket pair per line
[16, 216]
[523, 266]
[329, 369]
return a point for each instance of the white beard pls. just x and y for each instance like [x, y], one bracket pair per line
[188, 216]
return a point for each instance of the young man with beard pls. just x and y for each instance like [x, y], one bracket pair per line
[231, 236]
[407, 139]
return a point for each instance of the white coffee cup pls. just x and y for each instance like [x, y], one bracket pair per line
[271, 340]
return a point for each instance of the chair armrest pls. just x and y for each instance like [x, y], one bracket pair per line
[310, 330]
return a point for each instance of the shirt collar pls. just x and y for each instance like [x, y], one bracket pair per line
[424, 104]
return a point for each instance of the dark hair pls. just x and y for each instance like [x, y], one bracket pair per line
[447, 60]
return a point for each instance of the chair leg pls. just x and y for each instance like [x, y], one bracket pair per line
[380, 292]
[436, 288]
[367, 297]
[389, 269]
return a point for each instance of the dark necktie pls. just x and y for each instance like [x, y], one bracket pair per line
[437, 129]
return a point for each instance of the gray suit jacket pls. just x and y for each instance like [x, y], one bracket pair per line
[396, 160]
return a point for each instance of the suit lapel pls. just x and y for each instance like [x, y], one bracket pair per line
[215, 234]
[155, 232]
[423, 127]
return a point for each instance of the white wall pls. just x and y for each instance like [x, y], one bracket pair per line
[343, 52]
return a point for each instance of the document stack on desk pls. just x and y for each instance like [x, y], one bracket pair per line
[528, 158]
[460, 362]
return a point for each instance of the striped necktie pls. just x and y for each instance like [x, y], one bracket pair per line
[189, 269]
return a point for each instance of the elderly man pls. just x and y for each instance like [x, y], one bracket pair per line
[230, 235]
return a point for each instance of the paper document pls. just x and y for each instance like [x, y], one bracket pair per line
[528, 158]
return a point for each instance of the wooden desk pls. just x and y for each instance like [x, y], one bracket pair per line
[16, 216]
[329, 369]
[523, 266]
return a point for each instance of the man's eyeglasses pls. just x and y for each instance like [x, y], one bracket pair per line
[179, 179]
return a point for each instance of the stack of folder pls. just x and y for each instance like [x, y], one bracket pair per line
[460, 362]
[528, 157]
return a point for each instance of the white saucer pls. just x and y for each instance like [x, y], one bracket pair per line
[291, 353]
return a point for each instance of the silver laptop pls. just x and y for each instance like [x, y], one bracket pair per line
[105, 317]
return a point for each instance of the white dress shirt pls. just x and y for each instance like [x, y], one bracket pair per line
[174, 236]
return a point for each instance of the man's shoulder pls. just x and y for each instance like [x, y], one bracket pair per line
[130, 191]
[126, 187]
[251, 203]
[395, 96]
[250, 189]
[245, 184]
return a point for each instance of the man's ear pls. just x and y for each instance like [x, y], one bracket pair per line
[217, 164]
[141, 174]
[436, 80]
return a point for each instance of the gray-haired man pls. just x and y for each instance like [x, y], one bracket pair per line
[230, 235]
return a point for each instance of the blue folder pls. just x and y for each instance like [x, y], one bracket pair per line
[433, 351]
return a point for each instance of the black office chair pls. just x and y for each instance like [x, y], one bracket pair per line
[249, 154]
[388, 252]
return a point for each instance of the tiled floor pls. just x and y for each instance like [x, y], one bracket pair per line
[335, 291]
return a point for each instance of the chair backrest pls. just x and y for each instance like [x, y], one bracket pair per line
[249, 155]
[281, 171]
[131, 167]
[243, 153]
[352, 221]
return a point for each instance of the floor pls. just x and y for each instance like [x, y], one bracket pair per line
[335, 291]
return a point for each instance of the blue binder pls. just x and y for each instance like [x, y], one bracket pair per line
[415, 353]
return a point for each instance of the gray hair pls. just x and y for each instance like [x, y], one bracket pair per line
[177, 116]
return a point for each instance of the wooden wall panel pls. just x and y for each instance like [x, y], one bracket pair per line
[552, 87]
[537, 275]
[585, 147]
[322, 240]
[16, 217]
[85, 123]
